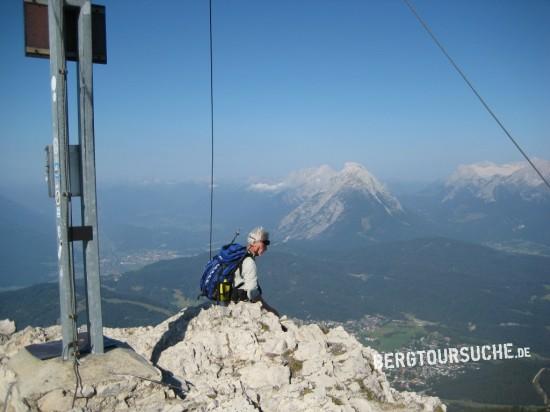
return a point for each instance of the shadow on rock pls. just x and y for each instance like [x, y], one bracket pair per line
[173, 335]
[176, 331]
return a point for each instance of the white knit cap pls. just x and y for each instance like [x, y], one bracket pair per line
[257, 234]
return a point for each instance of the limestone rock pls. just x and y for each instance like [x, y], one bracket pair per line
[7, 327]
[241, 349]
[57, 400]
[236, 358]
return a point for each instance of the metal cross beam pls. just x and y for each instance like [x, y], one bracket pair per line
[72, 167]
[89, 198]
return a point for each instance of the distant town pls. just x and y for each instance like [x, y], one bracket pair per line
[116, 264]
[369, 330]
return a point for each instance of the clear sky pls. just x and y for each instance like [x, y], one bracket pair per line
[298, 83]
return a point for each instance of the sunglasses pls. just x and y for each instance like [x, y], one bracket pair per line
[265, 242]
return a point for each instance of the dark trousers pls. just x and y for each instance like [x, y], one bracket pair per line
[239, 295]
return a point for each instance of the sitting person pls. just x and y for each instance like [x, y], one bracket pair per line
[246, 287]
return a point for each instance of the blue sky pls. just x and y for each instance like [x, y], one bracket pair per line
[298, 83]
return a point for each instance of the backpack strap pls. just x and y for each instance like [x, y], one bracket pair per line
[240, 267]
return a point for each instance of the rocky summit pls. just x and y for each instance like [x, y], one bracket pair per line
[236, 358]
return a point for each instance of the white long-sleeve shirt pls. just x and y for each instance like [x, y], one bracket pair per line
[247, 278]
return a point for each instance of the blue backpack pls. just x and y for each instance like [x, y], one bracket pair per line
[217, 278]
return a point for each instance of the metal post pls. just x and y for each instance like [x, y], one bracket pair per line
[89, 203]
[61, 175]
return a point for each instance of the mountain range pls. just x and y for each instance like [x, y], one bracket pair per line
[500, 205]
[487, 181]
[503, 206]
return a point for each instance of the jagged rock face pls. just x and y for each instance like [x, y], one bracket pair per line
[329, 204]
[242, 358]
[346, 199]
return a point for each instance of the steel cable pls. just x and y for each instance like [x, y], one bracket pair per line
[461, 73]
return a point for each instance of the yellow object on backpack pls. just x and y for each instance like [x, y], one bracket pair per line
[224, 291]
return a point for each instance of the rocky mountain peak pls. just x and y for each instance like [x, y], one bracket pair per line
[322, 204]
[484, 170]
[238, 358]
[483, 179]
[356, 177]
[313, 181]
